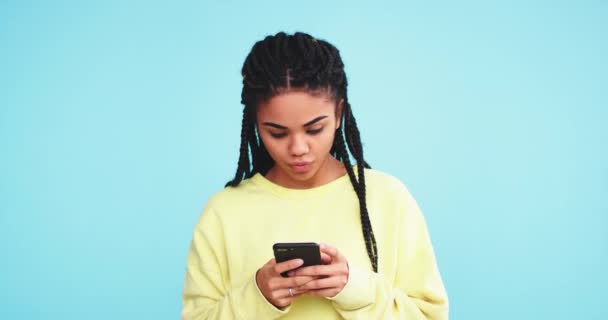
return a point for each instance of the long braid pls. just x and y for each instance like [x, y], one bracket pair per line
[282, 62]
[358, 184]
[342, 155]
[243, 163]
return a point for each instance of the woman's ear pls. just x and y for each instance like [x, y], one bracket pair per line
[339, 109]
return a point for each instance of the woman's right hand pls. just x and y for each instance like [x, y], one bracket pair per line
[274, 287]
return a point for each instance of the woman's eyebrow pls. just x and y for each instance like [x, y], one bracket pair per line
[313, 121]
[274, 125]
[309, 123]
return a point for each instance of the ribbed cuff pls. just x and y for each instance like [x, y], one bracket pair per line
[251, 303]
[358, 292]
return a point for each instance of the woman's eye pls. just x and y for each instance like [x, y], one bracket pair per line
[315, 131]
[278, 135]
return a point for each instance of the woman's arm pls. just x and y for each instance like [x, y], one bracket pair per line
[417, 291]
[207, 294]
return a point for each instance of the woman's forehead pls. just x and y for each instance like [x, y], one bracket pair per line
[295, 107]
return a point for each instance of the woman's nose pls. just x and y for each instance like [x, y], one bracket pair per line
[298, 146]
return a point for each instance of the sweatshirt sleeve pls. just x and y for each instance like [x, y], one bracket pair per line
[417, 291]
[207, 294]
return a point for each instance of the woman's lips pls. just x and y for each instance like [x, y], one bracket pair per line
[300, 167]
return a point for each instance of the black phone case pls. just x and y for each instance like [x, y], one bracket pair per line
[307, 251]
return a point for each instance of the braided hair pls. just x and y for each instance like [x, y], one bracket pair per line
[283, 62]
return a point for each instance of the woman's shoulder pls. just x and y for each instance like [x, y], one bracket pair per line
[232, 195]
[377, 179]
[224, 207]
[386, 186]
[387, 189]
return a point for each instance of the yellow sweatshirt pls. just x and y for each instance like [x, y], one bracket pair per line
[237, 228]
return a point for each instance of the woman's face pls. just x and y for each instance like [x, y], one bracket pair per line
[298, 131]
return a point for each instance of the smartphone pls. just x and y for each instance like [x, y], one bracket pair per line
[307, 251]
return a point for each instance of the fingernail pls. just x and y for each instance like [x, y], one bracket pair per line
[300, 262]
[291, 273]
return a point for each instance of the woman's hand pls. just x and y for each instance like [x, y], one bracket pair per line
[326, 280]
[278, 290]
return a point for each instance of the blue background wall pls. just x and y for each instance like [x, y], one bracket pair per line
[119, 118]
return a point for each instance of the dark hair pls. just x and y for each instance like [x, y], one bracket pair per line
[299, 61]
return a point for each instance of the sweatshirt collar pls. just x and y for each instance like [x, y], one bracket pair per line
[340, 182]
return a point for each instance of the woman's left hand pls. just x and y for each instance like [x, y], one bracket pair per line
[332, 274]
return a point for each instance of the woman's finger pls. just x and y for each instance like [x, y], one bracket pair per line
[329, 250]
[288, 265]
[295, 291]
[325, 258]
[324, 283]
[283, 302]
[321, 270]
[294, 282]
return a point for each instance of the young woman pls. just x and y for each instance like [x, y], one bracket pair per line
[295, 182]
